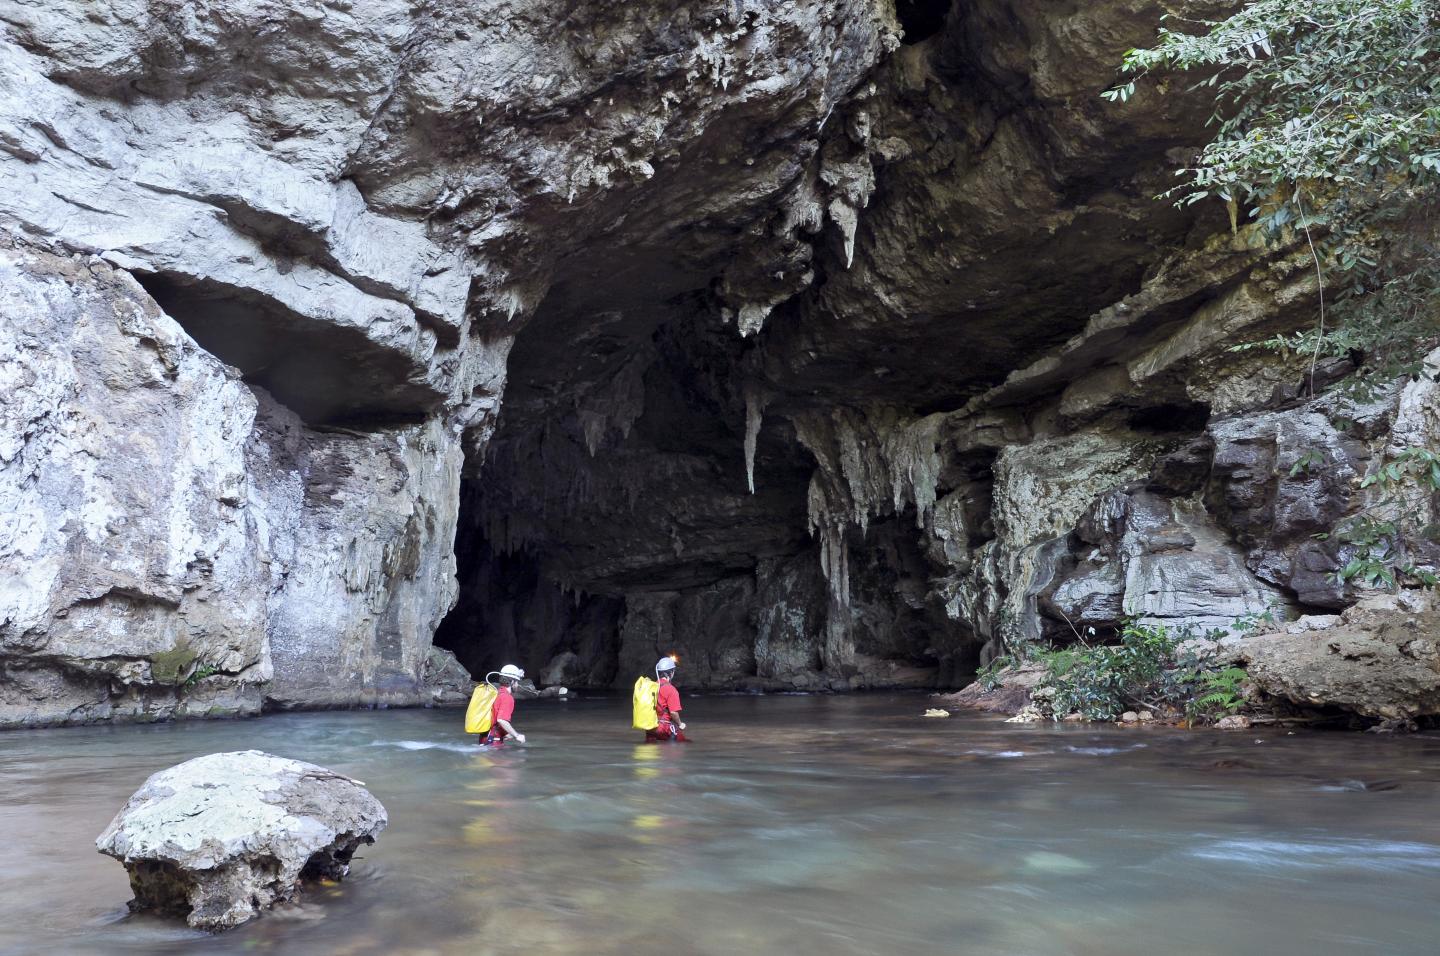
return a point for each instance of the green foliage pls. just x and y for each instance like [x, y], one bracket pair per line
[1318, 92]
[989, 676]
[199, 674]
[1379, 532]
[1307, 462]
[1101, 683]
[1147, 669]
[1327, 130]
[1217, 693]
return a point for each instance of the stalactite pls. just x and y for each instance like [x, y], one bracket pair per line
[751, 317]
[868, 463]
[570, 590]
[755, 401]
[829, 526]
[911, 455]
[615, 405]
[848, 220]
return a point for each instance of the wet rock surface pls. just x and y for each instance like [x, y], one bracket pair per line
[449, 682]
[1009, 695]
[221, 838]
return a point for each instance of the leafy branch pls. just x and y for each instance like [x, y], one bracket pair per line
[1381, 530]
[1326, 125]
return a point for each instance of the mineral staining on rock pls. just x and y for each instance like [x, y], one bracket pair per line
[831, 345]
[218, 839]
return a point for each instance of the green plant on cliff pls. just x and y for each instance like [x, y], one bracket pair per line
[1382, 531]
[1153, 667]
[166, 667]
[199, 674]
[1327, 134]
[1217, 693]
[178, 666]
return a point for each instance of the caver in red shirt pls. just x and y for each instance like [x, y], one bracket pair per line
[502, 709]
[667, 708]
[504, 706]
[667, 701]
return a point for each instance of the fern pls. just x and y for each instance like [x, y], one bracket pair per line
[1219, 693]
[1147, 669]
[199, 674]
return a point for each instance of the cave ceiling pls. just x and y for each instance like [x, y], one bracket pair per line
[1000, 204]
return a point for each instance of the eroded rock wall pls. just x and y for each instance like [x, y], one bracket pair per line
[998, 393]
[828, 345]
[357, 534]
[179, 544]
[128, 557]
[342, 214]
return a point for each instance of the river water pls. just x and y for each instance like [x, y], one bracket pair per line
[797, 825]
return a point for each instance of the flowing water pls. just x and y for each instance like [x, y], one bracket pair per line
[794, 825]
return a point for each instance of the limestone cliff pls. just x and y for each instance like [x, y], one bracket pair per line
[823, 343]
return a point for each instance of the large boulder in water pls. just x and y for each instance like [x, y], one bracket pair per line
[222, 837]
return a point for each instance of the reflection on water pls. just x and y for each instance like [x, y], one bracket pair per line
[790, 825]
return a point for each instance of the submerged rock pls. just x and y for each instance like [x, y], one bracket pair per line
[219, 838]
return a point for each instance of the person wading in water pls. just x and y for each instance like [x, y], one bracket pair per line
[667, 704]
[504, 708]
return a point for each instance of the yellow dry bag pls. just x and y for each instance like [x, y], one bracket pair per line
[482, 708]
[646, 690]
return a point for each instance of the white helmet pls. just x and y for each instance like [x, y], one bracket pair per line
[512, 672]
[665, 664]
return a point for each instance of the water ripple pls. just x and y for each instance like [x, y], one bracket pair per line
[1360, 854]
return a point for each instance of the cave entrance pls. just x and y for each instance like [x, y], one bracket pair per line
[586, 550]
[510, 610]
[611, 521]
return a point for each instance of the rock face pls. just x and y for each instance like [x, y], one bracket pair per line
[172, 535]
[220, 838]
[1381, 659]
[449, 682]
[838, 344]
[128, 561]
[356, 533]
